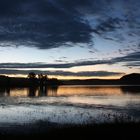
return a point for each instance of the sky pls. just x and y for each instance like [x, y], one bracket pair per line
[70, 39]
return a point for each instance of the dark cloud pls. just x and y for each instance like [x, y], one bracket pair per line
[40, 65]
[41, 23]
[61, 61]
[108, 25]
[53, 23]
[63, 73]
[133, 64]
[131, 58]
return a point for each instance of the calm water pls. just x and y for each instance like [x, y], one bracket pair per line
[68, 104]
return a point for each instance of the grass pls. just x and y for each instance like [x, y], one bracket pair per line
[98, 131]
[122, 127]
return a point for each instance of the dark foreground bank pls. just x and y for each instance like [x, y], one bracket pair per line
[42, 130]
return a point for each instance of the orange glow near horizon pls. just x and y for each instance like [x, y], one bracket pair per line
[94, 68]
[70, 77]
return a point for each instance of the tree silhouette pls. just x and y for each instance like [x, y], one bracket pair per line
[31, 75]
[40, 76]
[42, 79]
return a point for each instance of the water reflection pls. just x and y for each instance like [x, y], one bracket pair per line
[69, 91]
[89, 90]
[131, 89]
[97, 90]
[32, 91]
[36, 91]
[42, 91]
[4, 91]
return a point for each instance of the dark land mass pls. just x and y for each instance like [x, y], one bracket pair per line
[131, 79]
[26, 82]
[45, 130]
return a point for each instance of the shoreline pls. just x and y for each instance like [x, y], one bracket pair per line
[5, 81]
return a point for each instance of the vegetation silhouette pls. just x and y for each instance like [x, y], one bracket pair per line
[38, 85]
[4, 80]
[45, 129]
[41, 80]
[31, 75]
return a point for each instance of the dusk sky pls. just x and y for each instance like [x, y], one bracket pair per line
[70, 38]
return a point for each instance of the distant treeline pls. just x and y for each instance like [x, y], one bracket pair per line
[31, 80]
[43, 80]
[131, 79]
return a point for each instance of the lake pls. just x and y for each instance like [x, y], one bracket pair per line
[68, 104]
